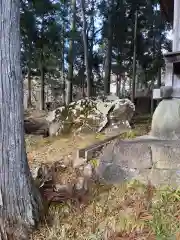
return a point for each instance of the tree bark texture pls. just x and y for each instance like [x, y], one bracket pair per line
[69, 89]
[20, 201]
[91, 44]
[42, 83]
[29, 103]
[108, 64]
[134, 58]
[86, 53]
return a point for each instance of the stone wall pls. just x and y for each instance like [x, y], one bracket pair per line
[144, 159]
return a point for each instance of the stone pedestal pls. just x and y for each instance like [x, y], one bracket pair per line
[166, 120]
[166, 125]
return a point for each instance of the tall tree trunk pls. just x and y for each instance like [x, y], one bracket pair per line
[83, 87]
[63, 48]
[159, 60]
[159, 77]
[20, 202]
[154, 55]
[134, 58]
[107, 76]
[123, 87]
[69, 91]
[63, 76]
[117, 85]
[91, 45]
[42, 104]
[41, 67]
[86, 54]
[120, 86]
[29, 101]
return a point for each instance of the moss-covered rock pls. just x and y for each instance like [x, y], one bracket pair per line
[91, 115]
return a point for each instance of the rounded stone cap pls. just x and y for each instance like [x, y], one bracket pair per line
[166, 92]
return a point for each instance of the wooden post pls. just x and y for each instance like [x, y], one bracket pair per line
[176, 26]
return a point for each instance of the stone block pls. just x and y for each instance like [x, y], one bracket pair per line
[166, 157]
[160, 177]
[132, 155]
[120, 162]
[114, 174]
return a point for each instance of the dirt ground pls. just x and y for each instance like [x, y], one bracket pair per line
[48, 150]
[129, 211]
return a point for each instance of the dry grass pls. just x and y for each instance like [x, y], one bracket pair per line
[48, 150]
[122, 212]
[128, 211]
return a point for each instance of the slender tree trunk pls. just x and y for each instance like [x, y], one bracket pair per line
[159, 55]
[120, 80]
[159, 70]
[154, 55]
[42, 82]
[117, 85]
[69, 91]
[20, 202]
[86, 54]
[152, 100]
[91, 48]
[41, 67]
[159, 77]
[123, 87]
[83, 86]
[63, 48]
[134, 58]
[159, 60]
[63, 76]
[107, 76]
[29, 102]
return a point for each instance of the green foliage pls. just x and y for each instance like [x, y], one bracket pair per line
[46, 33]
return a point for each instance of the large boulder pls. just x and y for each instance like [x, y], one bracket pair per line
[95, 114]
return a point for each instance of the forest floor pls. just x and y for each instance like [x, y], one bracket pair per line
[128, 211]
